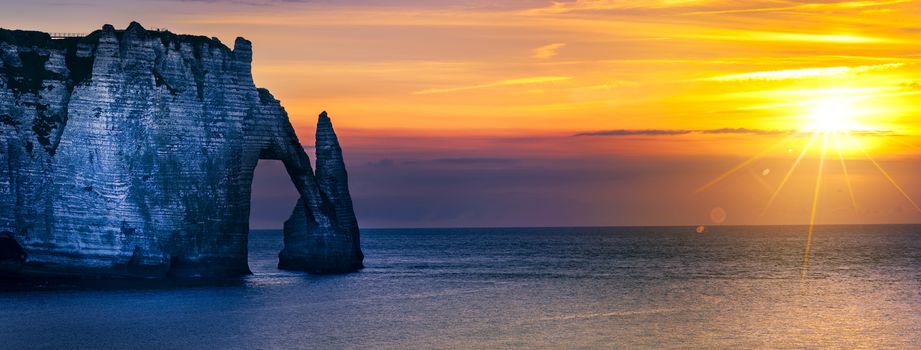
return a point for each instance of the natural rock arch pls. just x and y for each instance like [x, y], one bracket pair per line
[131, 153]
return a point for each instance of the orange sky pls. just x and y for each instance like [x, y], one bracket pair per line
[673, 92]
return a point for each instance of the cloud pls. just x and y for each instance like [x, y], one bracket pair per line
[721, 131]
[383, 163]
[390, 163]
[248, 2]
[605, 5]
[676, 132]
[547, 51]
[746, 131]
[749, 35]
[873, 133]
[466, 161]
[635, 132]
[520, 81]
[560, 7]
[802, 7]
[804, 73]
[911, 85]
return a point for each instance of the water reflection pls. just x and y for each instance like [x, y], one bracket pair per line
[520, 288]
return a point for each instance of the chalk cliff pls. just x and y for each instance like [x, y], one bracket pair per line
[131, 153]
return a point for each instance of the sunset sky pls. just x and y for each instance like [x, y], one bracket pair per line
[537, 113]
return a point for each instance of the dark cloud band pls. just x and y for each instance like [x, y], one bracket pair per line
[675, 132]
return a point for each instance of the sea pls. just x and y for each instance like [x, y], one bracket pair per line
[516, 288]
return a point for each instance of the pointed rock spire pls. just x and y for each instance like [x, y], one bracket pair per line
[331, 174]
[332, 179]
[154, 171]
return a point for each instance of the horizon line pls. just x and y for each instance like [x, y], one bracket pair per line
[612, 226]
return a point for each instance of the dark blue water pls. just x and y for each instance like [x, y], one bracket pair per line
[731, 287]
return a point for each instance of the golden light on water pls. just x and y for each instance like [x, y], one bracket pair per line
[834, 122]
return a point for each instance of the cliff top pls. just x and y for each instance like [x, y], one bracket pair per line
[28, 38]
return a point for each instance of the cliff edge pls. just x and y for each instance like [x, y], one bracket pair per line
[130, 153]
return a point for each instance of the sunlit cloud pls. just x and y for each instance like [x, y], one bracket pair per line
[712, 80]
[746, 131]
[547, 51]
[351, 16]
[465, 161]
[805, 72]
[677, 132]
[605, 86]
[601, 5]
[638, 132]
[741, 35]
[809, 6]
[247, 2]
[509, 82]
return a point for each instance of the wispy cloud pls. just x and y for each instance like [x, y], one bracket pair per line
[745, 131]
[805, 7]
[603, 5]
[508, 82]
[676, 132]
[635, 132]
[804, 72]
[248, 2]
[465, 161]
[547, 51]
[748, 36]
[388, 162]
[560, 7]
[874, 133]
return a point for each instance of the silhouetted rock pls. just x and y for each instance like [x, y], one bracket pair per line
[325, 250]
[131, 153]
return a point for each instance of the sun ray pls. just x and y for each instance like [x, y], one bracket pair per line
[847, 176]
[743, 164]
[896, 138]
[786, 177]
[886, 175]
[760, 179]
[815, 206]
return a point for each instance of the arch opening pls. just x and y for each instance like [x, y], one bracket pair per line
[272, 197]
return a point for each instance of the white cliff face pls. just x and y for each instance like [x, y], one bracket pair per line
[131, 153]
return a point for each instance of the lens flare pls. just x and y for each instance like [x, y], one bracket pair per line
[826, 119]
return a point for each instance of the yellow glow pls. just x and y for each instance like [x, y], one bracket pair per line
[888, 177]
[847, 175]
[806, 72]
[786, 177]
[832, 114]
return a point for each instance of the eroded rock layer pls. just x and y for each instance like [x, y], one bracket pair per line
[131, 153]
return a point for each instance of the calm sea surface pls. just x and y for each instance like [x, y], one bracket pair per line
[731, 287]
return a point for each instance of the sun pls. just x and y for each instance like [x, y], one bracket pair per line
[832, 114]
[830, 122]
